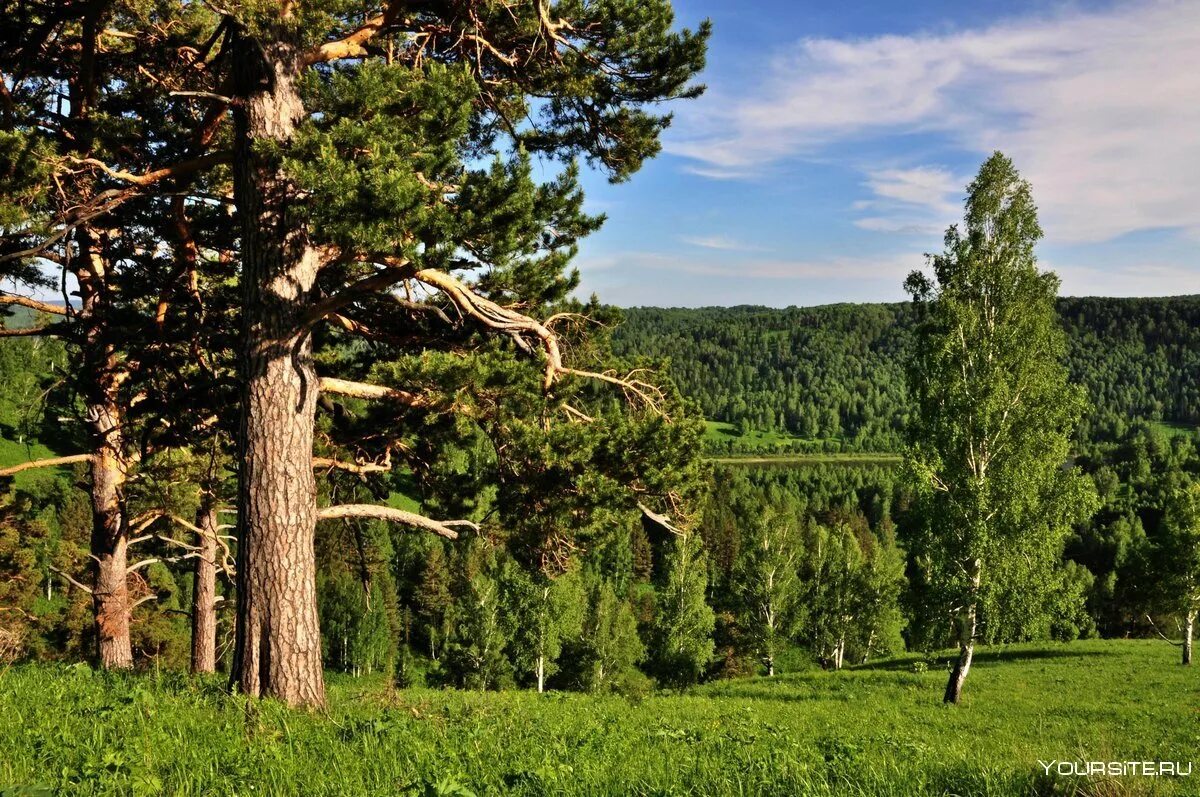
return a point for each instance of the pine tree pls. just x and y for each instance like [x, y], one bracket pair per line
[369, 147]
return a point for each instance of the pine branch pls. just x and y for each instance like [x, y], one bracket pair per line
[32, 304]
[443, 528]
[45, 463]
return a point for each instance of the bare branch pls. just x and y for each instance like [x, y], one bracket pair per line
[504, 319]
[139, 565]
[660, 520]
[50, 330]
[32, 304]
[396, 271]
[46, 463]
[364, 390]
[354, 467]
[72, 581]
[354, 44]
[141, 600]
[443, 528]
[174, 170]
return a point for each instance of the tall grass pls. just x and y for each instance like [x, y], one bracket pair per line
[873, 731]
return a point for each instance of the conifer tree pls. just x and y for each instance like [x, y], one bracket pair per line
[354, 159]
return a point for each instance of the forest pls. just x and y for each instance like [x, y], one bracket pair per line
[830, 378]
[317, 474]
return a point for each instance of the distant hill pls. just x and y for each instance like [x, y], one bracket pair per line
[836, 372]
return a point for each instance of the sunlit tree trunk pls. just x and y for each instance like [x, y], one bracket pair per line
[966, 650]
[278, 651]
[204, 588]
[1188, 627]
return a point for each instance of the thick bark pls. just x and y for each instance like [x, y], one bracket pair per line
[278, 646]
[1188, 627]
[102, 375]
[204, 588]
[110, 590]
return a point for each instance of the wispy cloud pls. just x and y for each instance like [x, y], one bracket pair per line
[1098, 109]
[719, 242]
[917, 201]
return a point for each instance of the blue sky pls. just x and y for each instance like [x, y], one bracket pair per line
[835, 140]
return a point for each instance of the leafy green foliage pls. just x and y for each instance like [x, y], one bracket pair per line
[785, 375]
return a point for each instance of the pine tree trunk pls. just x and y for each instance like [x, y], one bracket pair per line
[278, 651]
[110, 531]
[1188, 627]
[204, 589]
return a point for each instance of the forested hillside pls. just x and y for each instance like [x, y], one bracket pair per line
[834, 372]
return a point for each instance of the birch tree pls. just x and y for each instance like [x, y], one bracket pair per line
[1179, 560]
[994, 410]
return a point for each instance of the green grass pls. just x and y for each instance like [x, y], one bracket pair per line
[719, 431]
[878, 730]
[1170, 430]
[847, 458]
[14, 453]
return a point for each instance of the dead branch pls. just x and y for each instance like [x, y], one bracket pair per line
[354, 44]
[443, 528]
[72, 581]
[46, 463]
[32, 304]
[396, 271]
[661, 520]
[519, 325]
[139, 565]
[174, 170]
[151, 597]
[364, 390]
[354, 467]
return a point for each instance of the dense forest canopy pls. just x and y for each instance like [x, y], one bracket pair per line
[833, 372]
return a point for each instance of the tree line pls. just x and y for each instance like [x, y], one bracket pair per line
[832, 376]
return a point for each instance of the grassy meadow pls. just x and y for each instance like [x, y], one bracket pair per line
[872, 730]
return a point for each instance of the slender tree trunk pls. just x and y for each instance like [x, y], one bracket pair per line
[966, 650]
[541, 674]
[770, 665]
[1188, 627]
[204, 588]
[278, 650]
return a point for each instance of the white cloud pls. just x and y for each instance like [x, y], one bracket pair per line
[1099, 110]
[917, 201]
[1145, 279]
[719, 242]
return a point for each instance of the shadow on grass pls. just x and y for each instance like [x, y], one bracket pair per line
[983, 657]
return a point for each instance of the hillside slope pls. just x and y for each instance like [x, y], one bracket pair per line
[836, 371]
